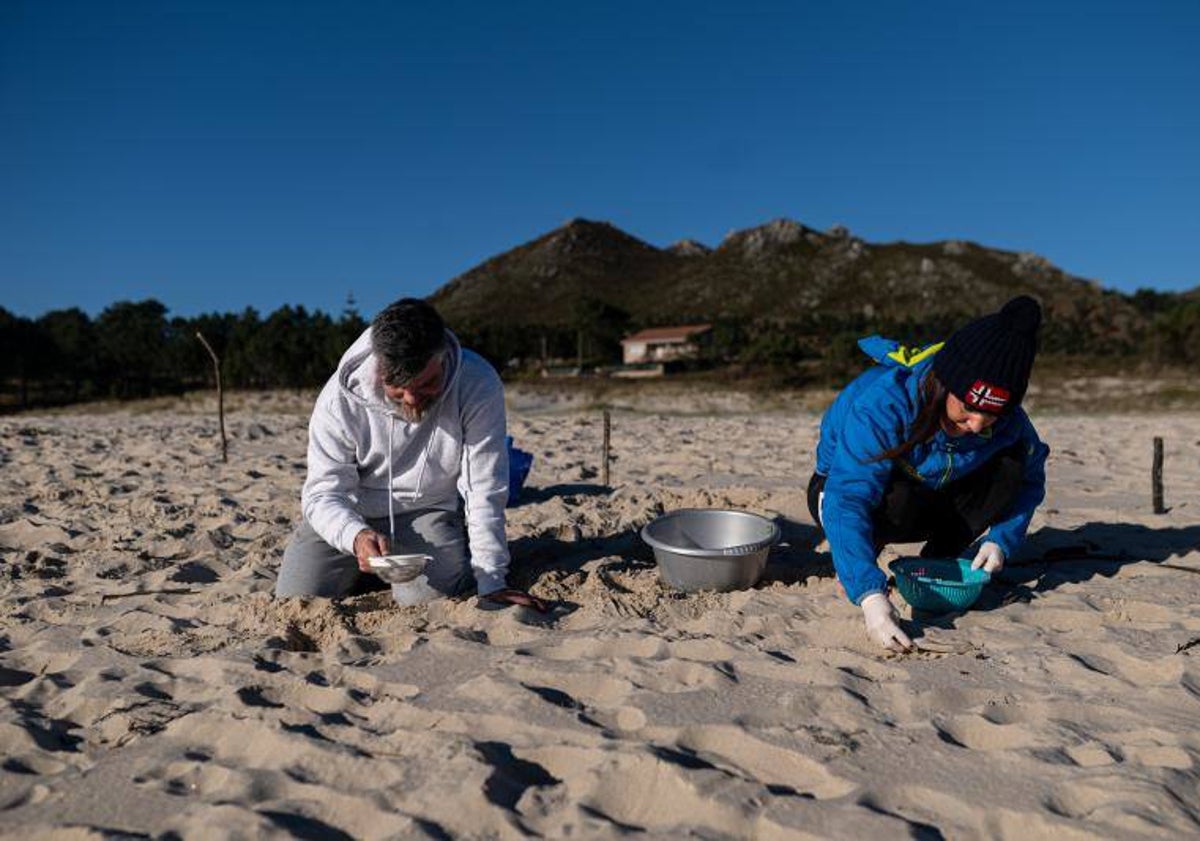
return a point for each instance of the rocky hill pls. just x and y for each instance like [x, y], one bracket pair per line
[781, 271]
[783, 294]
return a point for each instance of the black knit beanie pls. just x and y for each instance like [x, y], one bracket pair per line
[986, 364]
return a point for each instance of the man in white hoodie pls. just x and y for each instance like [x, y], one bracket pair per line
[406, 453]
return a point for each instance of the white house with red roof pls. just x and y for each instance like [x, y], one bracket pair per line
[664, 344]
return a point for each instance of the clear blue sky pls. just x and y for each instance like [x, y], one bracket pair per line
[218, 155]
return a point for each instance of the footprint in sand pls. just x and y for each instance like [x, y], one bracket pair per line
[1190, 681]
[978, 733]
[915, 705]
[1139, 672]
[595, 689]
[601, 646]
[928, 812]
[1070, 669]
[641, 791]
[1115, 805]
[1152, 747]
[780, 769]
[1090, 755]
[1158, 756]
[1141, 614]
[672, 676]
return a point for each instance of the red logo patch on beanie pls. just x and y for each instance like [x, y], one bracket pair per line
[987, 397]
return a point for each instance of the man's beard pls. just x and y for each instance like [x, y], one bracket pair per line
[412, 414]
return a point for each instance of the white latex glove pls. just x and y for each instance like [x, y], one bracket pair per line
[990, 557]
[881, 623]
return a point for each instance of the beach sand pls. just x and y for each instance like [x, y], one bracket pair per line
[152, 687]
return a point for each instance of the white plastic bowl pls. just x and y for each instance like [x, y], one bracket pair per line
[398, 569]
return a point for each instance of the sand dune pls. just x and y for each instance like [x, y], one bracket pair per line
[153, 688]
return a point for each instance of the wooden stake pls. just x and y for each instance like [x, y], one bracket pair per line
[1156, 483]
[220, 394]
[604, 452]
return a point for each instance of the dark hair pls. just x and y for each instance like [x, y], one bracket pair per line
[405, 336]
[925, 424]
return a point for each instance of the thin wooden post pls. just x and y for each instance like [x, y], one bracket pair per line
[604, 451]
[1156, 483]
[220, 395]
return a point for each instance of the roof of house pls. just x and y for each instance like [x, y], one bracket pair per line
[667, 334]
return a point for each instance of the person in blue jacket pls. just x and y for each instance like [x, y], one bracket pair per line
[931, 445]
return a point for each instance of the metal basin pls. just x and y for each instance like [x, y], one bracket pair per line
[711, 548]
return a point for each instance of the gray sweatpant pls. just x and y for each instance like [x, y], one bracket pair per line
[311, 567]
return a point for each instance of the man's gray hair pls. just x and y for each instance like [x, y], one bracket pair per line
[405, 336]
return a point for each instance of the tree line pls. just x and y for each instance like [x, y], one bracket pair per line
[135, 349]
[1164, 333]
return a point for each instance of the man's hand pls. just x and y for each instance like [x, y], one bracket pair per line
[881, 622]
[990, 557]
[510, 595]
[367, 544]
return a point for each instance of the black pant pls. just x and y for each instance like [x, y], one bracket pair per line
[949, 518]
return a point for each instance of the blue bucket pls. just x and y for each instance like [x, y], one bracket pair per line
[938, 585]
[519, 463]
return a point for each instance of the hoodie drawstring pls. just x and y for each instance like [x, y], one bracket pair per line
[420, 476]
[391, 503]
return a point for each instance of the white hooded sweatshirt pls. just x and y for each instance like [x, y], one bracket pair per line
[365, 460]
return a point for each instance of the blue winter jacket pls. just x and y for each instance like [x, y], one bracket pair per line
[875, 413]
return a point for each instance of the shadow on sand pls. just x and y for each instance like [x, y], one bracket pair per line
[531, 495]
[1052, 557]
[795, 558]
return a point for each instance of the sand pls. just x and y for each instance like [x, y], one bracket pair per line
[152, 687]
